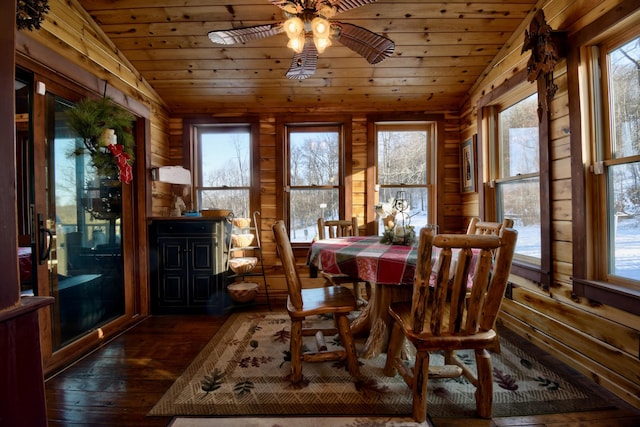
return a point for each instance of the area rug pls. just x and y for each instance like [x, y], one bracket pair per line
[243, 371]
[297, 422]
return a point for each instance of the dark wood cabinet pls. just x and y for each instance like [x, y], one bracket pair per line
[188, 265]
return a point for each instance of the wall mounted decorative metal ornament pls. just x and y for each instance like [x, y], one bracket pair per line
[547, 47]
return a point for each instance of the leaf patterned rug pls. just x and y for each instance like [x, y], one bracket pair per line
[243, 371]
[297, 422]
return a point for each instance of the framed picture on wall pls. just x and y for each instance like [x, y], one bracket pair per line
[468, 171]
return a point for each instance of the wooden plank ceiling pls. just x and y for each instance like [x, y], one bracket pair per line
[441, 49]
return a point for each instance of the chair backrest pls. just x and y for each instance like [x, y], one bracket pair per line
[486, 227]
[294, 284]
[451, 312]
[330, 228]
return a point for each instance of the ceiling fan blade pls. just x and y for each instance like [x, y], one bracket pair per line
[241, 35]
[373, 47]
[344, 5]
[304, 63]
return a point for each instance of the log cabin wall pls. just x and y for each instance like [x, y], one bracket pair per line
[598, 340]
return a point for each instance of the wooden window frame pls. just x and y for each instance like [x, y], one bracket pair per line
[190, 150]
[430, 127]
[513, 89]
[587, 282]
[344, 122]
[435, 186]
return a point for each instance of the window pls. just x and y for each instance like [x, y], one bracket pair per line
[314, 178]
[518, 175]
[403, 152]
[223, 176]
[617, 161]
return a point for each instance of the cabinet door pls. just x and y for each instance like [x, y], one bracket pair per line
[172, 274]
[203, 280]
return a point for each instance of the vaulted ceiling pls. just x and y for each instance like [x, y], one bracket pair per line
[441, 49]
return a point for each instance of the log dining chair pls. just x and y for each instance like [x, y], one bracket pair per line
[302, 303]
[476, 226]
[328, 229]
[441, 317]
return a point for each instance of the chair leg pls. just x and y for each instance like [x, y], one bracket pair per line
[420, 379]
[296, 351]
[349, 345]
[484, 390]
[357, 291]
[393, 351]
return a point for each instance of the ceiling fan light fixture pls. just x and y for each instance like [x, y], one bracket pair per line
[297, 43]
[320, 27]
[321, 43]
[294, 27]
[310, 28]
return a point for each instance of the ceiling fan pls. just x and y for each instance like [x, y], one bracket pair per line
[310, 28]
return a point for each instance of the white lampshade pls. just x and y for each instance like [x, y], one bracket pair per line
[172, 175]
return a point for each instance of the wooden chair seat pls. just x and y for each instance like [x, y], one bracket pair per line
[448, 316]
[302, 303]
[334, 299]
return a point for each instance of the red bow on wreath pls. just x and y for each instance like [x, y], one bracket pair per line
[126, 172]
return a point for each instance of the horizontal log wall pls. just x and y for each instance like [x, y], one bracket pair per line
[600, 341]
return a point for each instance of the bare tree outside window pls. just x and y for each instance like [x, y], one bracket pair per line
[314, 178]
[623, 162]
[518, 189]
[402, 165]
[224, 177]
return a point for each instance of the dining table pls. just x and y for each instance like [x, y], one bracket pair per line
[389, 268]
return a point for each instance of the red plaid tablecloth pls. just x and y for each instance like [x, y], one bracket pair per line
[366, 258]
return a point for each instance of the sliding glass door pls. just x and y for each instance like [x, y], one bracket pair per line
[83, 227]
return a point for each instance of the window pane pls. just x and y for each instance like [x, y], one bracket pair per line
[520, 201]
[224, 178]
[314, 158]
[402, 157]
[624, 94]
[225, 158]
[624, 220]
[236, 199]
[307, 205]
[519, 145]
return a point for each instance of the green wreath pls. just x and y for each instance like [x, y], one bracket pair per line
[92, 120]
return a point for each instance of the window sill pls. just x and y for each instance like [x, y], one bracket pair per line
[531, 272]
[607, 293]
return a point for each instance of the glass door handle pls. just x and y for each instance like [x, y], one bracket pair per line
[45, 237]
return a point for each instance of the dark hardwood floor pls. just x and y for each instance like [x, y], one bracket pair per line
[120, 382]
